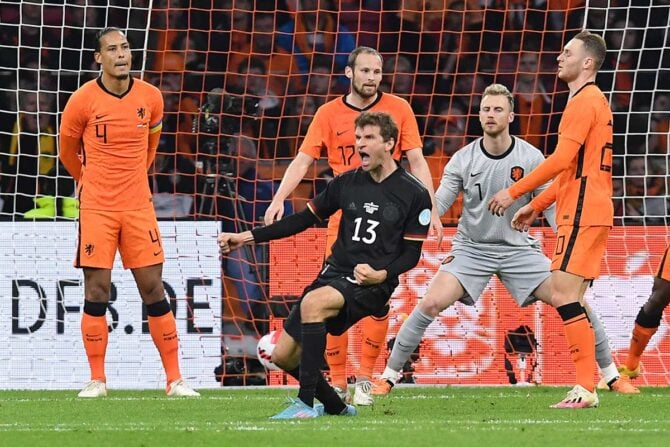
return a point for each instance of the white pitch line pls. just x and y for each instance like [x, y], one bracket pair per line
[450, 425]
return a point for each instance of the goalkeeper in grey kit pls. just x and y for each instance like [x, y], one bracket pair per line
[487, 245]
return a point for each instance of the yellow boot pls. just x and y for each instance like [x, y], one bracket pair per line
[70, 207]
[45, 208]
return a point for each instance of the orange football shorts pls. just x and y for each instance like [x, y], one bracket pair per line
[134, 234]
[580, 250]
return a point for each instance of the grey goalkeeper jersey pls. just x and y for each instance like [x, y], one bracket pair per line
[479, 175]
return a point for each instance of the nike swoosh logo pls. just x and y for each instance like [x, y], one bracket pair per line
[350, 279]
[100, 116]
[340, 133]
[156, 253]
[474, 175]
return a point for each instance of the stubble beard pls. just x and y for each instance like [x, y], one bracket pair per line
[494, 133]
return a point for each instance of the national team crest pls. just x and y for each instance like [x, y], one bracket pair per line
[516, 173]
[141, 112]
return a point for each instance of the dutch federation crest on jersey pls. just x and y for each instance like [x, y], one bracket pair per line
[424, 217]
[141, 113]
[516, 173]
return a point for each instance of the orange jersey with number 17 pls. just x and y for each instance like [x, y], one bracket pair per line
[114, 131]
[333, 130]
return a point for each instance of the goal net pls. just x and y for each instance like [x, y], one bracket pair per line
[241, 81]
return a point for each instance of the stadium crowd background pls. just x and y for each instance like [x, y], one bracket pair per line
[438, 55]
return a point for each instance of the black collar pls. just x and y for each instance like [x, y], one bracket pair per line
[102, 86]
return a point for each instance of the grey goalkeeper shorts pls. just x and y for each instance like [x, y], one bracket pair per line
[521, 270]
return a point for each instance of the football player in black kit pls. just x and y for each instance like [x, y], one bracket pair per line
[385, 219]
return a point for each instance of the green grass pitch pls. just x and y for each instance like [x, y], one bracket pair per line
[411, 416]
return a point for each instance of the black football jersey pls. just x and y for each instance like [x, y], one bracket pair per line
[376, 217]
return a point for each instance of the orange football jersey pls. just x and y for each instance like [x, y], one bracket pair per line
[333, 129]
[114, 131]
[584, 178]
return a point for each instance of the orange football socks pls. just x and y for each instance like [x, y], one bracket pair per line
[95, 334]
[374, 337]
[163, 331]
[581, 342]
[336, 356]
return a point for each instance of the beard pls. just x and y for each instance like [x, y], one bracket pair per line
[361, 92]
[493, 133]
[122, 77]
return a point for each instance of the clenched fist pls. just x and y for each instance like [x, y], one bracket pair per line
[367, 276]
[232, 241]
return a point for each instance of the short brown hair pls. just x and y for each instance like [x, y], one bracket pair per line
[387, 127]
[595, 46]
[351, 60]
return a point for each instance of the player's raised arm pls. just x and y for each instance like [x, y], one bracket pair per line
[232, 241]
[309, 150]
[293, 224]
[419, 168]
[292, 177]
[318, 209]
[566, 150]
